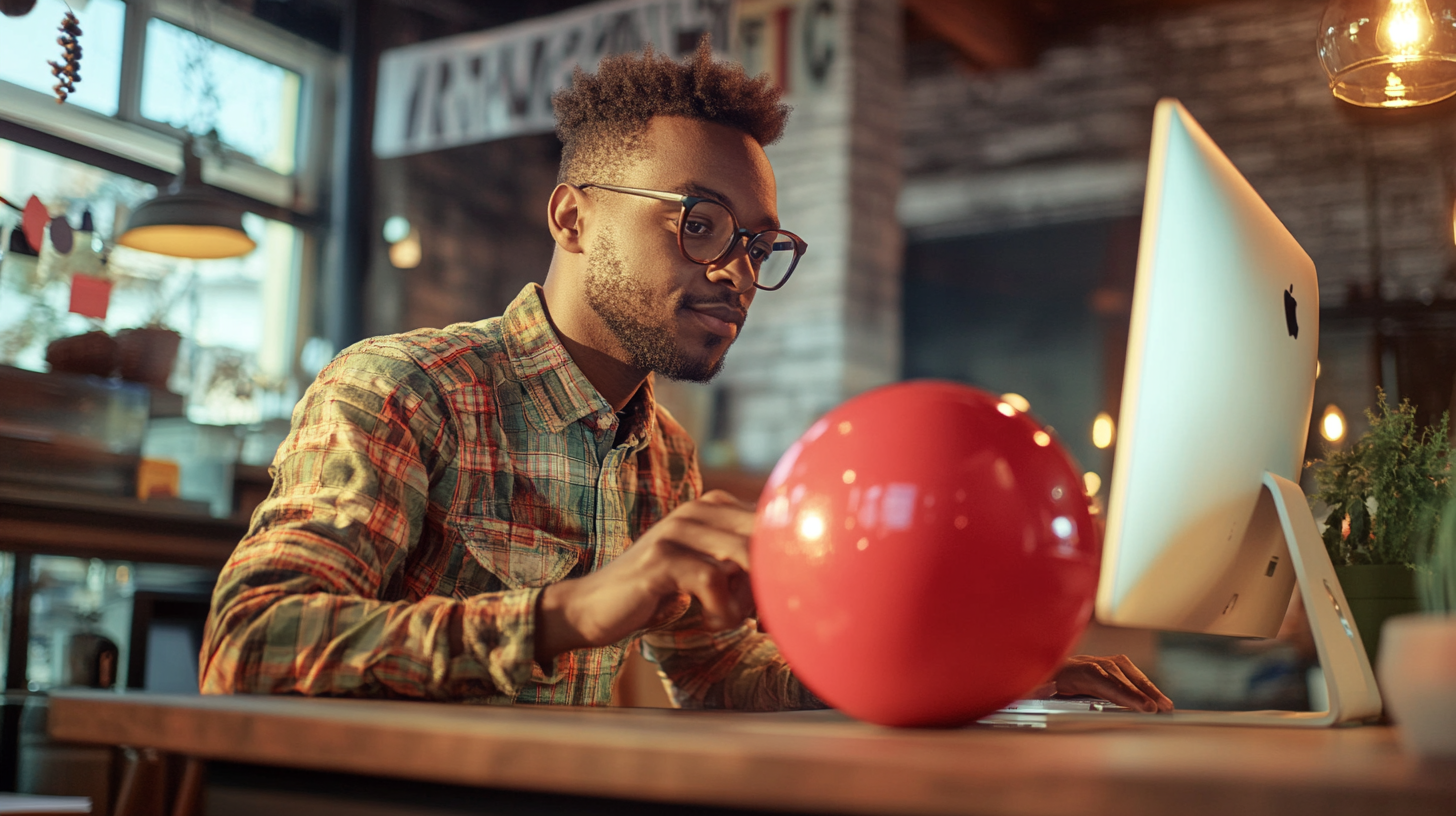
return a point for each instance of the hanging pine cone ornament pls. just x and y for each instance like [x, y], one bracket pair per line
[68, 71]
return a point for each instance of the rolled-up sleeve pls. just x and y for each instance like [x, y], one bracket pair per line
[739, 669]
[301, 605]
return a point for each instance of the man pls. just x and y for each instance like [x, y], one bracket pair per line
[496, 511]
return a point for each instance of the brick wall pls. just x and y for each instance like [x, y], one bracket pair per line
[834, 330]
[1367, 193]
[1069, 138]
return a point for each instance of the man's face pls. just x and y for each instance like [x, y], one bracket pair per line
[669, 314]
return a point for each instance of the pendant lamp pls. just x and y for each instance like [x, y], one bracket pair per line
[189, 220]
[1389, 53]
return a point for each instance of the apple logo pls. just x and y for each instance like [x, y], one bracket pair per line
[1289, 318]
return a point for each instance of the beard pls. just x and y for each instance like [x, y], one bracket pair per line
[645, 322]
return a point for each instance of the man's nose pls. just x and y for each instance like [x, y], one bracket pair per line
[734, 270]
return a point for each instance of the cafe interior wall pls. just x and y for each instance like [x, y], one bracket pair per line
[1046, 165]
[1061, 146]
[993, 157]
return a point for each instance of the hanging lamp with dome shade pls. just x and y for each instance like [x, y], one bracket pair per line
[1389, 53]
[190, 220]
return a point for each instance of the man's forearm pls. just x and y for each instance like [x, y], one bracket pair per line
[290, 634]
[704, 675]
[555, 631]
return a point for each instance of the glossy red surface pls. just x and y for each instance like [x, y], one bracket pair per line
[924, 554]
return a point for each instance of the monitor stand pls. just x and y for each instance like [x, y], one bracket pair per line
[1352, 693]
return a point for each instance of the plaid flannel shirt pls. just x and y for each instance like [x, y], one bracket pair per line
[432, 484]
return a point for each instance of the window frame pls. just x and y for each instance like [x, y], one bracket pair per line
[129, 135]
[130, 145]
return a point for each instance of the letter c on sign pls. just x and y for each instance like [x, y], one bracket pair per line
[819, 36]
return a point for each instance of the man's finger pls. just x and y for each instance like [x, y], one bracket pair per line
[705, 539]
[1133, 673]
[709, 584]
[726, 498]
[1123, 691]
[1102, 678]
[722, 515]
[742, 589]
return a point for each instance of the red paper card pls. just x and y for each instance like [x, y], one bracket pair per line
[90, 296]
[34, 221]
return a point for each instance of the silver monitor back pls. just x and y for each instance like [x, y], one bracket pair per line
[1218, 389]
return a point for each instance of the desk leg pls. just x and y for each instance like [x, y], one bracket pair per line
[17, 655]
[142, 791]
[18, 644]
[189, 789]
[149, 779]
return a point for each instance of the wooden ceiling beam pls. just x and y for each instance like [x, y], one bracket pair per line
[989, 34]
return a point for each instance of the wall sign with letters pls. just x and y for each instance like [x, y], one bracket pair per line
[498, 83]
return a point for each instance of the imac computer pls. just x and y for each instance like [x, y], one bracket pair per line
[1207, 528]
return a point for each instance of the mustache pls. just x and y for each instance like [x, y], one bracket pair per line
[731, 308]
[732, 301]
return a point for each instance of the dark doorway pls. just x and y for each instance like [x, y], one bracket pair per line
[1041, 312]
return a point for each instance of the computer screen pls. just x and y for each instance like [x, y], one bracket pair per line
[1219, 383]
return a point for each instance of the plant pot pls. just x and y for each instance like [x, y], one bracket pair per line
[91, 353]
[1418, 681]
[147, 355]
[1377, 592]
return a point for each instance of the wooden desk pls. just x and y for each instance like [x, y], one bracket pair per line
[811, 761]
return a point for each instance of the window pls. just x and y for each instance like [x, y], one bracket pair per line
[153, 70]
[29, 42]
[197, 84]
[237, 316]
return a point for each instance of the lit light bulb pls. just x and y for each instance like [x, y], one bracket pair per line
[1389, 53]
[1332, 425]
[407, 252]
[1041, 438]
[1103, 430]
[1404, 32]
[1395, 91]
[1092, 482]
[396, 229]
[1017, 401]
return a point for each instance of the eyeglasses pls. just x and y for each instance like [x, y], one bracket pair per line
[707, 232]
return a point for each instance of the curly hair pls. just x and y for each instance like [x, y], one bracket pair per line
[600, 119]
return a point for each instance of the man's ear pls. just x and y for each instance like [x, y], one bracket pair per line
[565, 217]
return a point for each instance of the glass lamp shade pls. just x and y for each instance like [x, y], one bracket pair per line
[1389, 53]
[189, 220]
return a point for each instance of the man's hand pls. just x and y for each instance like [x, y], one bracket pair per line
[1114, 679]
[699, 550]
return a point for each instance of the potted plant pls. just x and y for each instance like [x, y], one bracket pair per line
[1385, 494]
[147, 354]
[1418, 655]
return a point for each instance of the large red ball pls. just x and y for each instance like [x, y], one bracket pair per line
[924, 554]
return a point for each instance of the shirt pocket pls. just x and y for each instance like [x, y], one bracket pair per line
[520, 555]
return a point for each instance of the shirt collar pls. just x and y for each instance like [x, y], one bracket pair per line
[558, 392]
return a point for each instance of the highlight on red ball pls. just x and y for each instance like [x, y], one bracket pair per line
[924, 554]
